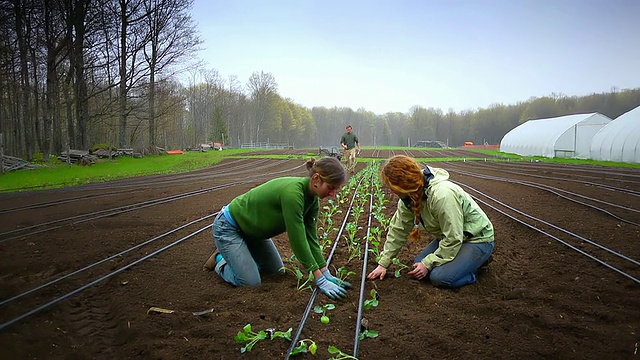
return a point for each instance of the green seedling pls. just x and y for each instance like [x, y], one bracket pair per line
[374, 240]
[400, 266]
[248, 335]
[331, 209]
[280, 334]
[339, 355]
[368, 334]
[304, 346]
[373, 301]
[356, 212]
[342, 273]
[353, 243]
[323, 310]
[295, 270]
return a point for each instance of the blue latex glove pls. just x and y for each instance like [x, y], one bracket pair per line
[330, 289]
[335, 280]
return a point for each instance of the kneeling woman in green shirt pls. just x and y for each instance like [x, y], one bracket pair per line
[242, 231]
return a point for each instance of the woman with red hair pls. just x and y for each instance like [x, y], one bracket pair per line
[429, 200]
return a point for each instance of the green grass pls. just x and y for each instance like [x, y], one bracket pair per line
[58, 174]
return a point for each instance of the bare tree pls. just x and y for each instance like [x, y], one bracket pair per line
[262, 87]
[22, 30]
[173, 37]
[57, 40]
[133, 37]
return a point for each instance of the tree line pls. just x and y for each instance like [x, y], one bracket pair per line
[81, 73]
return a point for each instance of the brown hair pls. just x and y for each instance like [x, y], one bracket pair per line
[329, 169]
[404, 176]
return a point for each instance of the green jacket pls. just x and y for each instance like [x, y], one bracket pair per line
[349, 139]
[449, 213]
[279, 205]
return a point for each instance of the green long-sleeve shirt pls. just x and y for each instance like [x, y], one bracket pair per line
[279, 205]
[449, 214]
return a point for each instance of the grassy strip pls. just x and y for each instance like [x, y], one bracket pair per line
[58, 174]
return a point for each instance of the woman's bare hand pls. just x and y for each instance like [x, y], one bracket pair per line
[379, 272]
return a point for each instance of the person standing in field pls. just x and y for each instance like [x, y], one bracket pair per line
[463, 233]
[349, 141]
[242, 231]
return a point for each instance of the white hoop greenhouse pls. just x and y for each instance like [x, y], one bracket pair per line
[619, 140]
[565, 136]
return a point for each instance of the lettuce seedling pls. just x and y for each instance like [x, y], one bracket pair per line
[373, 302]
[340, 355]
[323, 310]
[248, 335]
[304, 346]
[342, 273]
[368, 334]
[400, 266]
[294, 269]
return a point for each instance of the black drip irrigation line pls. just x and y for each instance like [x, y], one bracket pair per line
[113, 211]
[16, 297]
[307, 310]
[356, 341]
[603, 263]
[119, 210]
[582, 238]
[86, 286]
[552, 190]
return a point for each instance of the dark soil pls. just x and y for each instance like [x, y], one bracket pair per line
[537, 299]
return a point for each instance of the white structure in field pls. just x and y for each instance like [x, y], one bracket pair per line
[565, 136]
[619, 140]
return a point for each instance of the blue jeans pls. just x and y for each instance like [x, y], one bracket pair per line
[461, 270]
[243, 260]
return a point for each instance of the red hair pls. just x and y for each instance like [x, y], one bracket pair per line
[404, 176]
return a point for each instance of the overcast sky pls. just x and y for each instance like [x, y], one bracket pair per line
[388, 55]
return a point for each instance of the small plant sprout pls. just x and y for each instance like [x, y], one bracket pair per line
[400, 266]
[323, 310]
[295, 270]
[342, 273]
[373, 301]
[366, 333]
[374, 240]
[353, 243]
[280, 334]
[331, 209]
[338, 354]
[248, 335]
[304, 346]
[356, 212]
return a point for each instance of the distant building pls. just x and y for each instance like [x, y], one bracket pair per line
[619, 140]
[564, 137]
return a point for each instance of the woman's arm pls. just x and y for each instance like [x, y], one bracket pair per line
[398, 234]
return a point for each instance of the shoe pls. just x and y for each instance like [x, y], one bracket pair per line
[210, 264]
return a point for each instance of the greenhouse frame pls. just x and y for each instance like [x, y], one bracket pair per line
[567, 136]
[619, 140]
